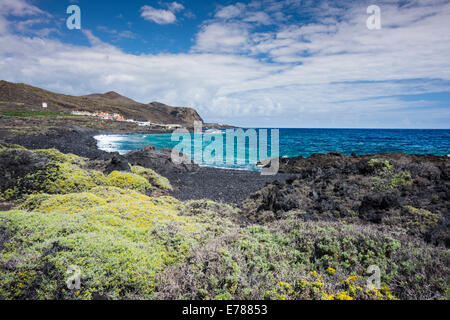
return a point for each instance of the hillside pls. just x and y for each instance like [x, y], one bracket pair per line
[19, 95]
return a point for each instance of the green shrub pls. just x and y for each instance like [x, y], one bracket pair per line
[291, 259]
[50, 171]
[420, 220]
[120, 242]
[388, 178]
[126, 180]
[129, 245]
[154, 178]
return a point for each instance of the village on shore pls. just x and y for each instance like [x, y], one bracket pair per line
[119, 117]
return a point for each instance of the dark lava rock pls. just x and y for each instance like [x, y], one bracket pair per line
[70, 139]
[276, 198]
[377, 201]
[117, 163]
[406, 192]
[16, 164]
[159, 160]
[374, 207]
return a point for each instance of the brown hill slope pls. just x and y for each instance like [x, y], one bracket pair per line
[31, 98]
[110, 96]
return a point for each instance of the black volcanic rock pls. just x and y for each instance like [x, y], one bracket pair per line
[375, 206]
[406, 192]
[158, 160]
[117, 163]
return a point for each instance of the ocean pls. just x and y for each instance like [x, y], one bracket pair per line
[303, 142]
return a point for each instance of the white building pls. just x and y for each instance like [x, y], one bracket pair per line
[44, 104]
[81, 113]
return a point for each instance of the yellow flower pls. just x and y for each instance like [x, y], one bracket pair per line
[327, 296]
[343, 296]
[352, 278]
[318, 284]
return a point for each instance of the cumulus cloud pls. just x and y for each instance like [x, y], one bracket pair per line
[175, 6]
[93, 40]
[158, 16]
[19, 8]
[259, 17]
[161, 16]
[231, 11]
[219, 37]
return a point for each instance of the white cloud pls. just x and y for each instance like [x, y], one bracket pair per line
[175, 6]
[158, 16]
[231, 11]
[219, 37]
[258, 17]
[319, 74]
[161, 16]
[124, 34]
[19, 8]
[3, 25]
[93, 40]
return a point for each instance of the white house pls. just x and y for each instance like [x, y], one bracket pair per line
[44, 104]
[81, 113]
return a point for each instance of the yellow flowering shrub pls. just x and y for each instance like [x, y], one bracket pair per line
[129, 245]
[343, 296]
[282, 291]
[120, 239]
[66, 177]
[58, 173]
[56, 155]
[315, 287]
[126, 180]
[154, 178]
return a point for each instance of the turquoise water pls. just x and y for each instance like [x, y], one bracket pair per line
[304, 142]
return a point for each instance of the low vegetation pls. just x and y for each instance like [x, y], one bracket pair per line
[128, 244]
[26, 172]
[156, 179]
[30, 113]
[386, 178]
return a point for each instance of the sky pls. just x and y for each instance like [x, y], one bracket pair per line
[256, 63]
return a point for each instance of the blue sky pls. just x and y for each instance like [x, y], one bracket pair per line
[285, 63]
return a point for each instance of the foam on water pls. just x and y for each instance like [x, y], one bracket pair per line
[305, 142]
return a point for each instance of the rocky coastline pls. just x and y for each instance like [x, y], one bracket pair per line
[309, 232]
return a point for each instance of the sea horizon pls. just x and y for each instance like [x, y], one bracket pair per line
[294, 142]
